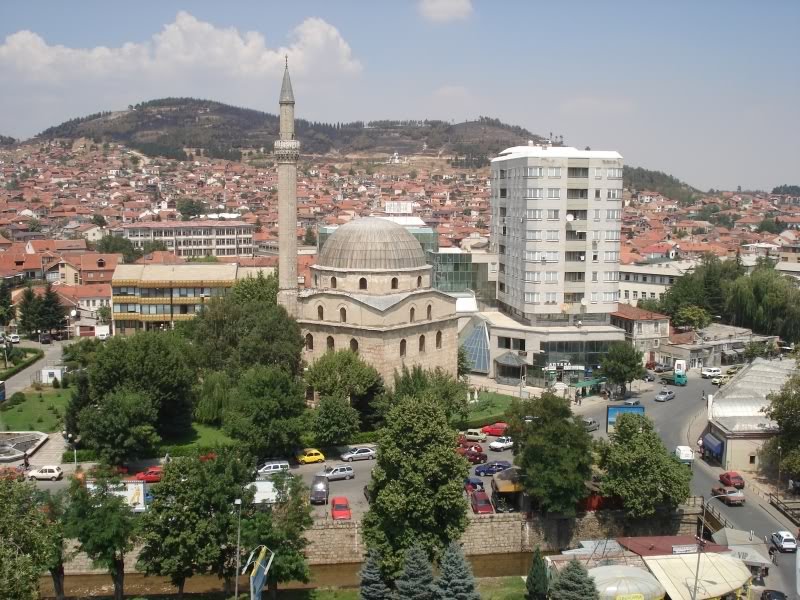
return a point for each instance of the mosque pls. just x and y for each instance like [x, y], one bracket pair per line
[371, 289]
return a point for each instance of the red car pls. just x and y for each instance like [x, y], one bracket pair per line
[481, 505]
[475, 458]
[468, 447]
[340, 509]
[732, 479]
[497, 429]
[151, 475]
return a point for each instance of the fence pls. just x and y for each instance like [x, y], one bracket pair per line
[789, 508]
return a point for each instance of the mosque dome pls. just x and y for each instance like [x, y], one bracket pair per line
[372, 244]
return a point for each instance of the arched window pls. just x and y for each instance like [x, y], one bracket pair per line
[362, 283]
[309, 341]
[411, 314]
[419, 281]
[421, 344]
[354, 345]
[402, 348]
[333, 283]
[330, 342]
[343, 314]
[394, 283]
[320, 312]
[430, 312]
[438, 340]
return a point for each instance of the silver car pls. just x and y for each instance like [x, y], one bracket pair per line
[337, 472]
[359, 453]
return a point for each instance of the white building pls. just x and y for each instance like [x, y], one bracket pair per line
[194, 238]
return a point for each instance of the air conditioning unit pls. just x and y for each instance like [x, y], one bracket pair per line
[522, 353]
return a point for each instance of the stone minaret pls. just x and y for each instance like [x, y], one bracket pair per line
[287, 151]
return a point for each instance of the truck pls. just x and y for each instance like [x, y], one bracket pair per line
[729, 495]
[674, 378]
[685, 455]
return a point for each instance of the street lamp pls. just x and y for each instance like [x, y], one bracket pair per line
[72, 441]
[238, 502]
[700, 543]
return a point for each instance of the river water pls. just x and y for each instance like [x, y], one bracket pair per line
[344, 575]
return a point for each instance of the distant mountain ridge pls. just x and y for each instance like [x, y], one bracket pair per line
[6, 141]
[637, 178]
[168, 126]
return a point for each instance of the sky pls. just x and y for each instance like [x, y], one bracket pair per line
[706, 91]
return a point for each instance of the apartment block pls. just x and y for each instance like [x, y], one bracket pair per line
[194, 238]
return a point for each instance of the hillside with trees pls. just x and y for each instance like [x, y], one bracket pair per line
[637, 178]
[176, 127]
[791, 190]
[6, 141]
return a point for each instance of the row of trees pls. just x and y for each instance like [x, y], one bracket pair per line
[40, 312]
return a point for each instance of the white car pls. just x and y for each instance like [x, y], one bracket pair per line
[501, 443]
[710, 372]
[50, 472]
[784, 541]
[360, 453]
[14, 338]
[103, 336]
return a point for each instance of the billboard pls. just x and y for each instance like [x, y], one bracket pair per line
[133, 492]
[612, 412]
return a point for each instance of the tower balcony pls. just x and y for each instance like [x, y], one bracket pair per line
[287, 150]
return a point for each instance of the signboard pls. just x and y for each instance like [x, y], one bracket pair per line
[612, 412]
[133, 492]
[684, 549]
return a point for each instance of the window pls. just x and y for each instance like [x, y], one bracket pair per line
[533, 235]
[550, 298]
[320, 313]
[532, 297]
[610, 296]
[653, 295]
[309, 341]
[598, 172]
[354, 345]
[551, 277]
[402, 348]
[533, 171]
[430, 312]
[411, 314]
[333, 283]
[533, 276]
[553, 193]
[594, 275]
[752, 459]
[503, 193]
[614, 194]
[574, 194]
[552, 214]
[533, 193]
[639, 327]
[438, 340]
[611, 256]
[343, 315]
[597, 214]
[635, 295]
[419, 282]
[627, 295]
[554, 171]
[597, 194]
[595, 296]
[535, 214]
[580, 172]
[611, 276]
[612, 236]
[394, 283]
[330, 342]
[614, 173]
[552, 235]
[422, 344]
[362, 283]
[595, 256]
[614, 214]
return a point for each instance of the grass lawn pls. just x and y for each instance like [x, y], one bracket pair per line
[501, 588]
[41, 411]
[201, 436]
[490, 408]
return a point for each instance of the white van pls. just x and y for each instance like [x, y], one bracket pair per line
[270, 468]
[710, 372]
[685, 455]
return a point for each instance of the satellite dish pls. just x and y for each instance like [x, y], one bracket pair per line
[583, 301]
[73, 313]
[570, 218]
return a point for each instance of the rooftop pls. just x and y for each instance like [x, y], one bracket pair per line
[626, 311]
[533, 151]
[746, 394]
[185, 224]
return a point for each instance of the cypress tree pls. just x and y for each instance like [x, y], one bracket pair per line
[456, 581]
[373, 587]
[536, 584]
[30, 308]
[6, 309]
[574, 583]
[416, 580]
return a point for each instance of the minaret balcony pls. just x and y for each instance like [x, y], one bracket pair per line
[287, 150]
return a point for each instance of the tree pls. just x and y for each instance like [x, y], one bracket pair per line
[622, 364]
[256, 289]
[54, 506]
[104, 315]
[266, 411]
[640, 470]
[79, 399]
[155, 364]
[754, 350]
[7, 311]
[310, 238]
[464, 363]
[574, 583]
[455, 581]
[113, 244]
[99, 220]
[120, 427]
[784, 408]
[451, 392]
[537, 582]
[51, 312]
[213, 397]
[190, 208]
[283, 528]
[373, 586]
[344, 374]
[692, 316]
[410, 508]
[335, 421]
[554, 452]
[29, 311]
[416, 580]
[104, 526]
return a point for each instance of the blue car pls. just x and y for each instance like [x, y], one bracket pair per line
[492, 468]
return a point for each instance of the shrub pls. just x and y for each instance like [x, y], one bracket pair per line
[65, 381]
[16, 399]
[37, 386]
[56, 383]
[364, 437]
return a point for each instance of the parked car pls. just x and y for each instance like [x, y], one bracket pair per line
[340, 509]
[481, 505]
[14, 338]
[337, 472]
[710, 372]
[784, 541]
[590, 424]
[733, 370]
[474, 435]
[495, 429]
[665, 396]
[632, 402]
[50, 472]
[773, 595]
[728, 495]
[648, 377]
[151, 475]
[103, 336]
[462, 449]
[475, 458]
[320, 489]
[310, 455]
[659, 368]
[731, 478]
[359, 453]
[45, 338]
[501, 443]
[720, 381]
[473, 484]
[492, 468]
[272, 467]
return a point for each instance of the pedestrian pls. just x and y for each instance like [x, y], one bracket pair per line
[25, 462]
[773, 555]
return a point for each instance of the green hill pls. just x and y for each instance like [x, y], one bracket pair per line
[6, 141]
[636, 178]
[172, 126]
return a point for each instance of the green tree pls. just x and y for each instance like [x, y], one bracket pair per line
[260, 288]
[7, 312]
[120, 427]
[574, 583]
[452, 392]
[79, 399]
[113, 244]
[54, 506]
[283, 528]
[310, 238]
[784, 409]
[104, 526]
[692, 316]
[155, 364]
[420, 501]
[189, 208]
[335, 421]
[622, 364]
[464, 363]
[30, 308]
[266, 411]
[344, 374]
[104, 315]
[640, 470]
[455, 581]
[537, 582]
[754, 350]
[213, 398]
[416, 580]
[373, 586]
[554, 453]
[51, 312]
[99, 220]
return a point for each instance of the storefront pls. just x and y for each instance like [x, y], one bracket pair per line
[712, 447]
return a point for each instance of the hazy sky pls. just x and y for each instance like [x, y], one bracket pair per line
[708, 91]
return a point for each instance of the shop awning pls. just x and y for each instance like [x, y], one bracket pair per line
[719, 574]
[588, 383]
[744, 546]
[511, 359]
[711, 443]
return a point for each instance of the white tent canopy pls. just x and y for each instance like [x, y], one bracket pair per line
[744, 546]
[621, 581]
[719, 574]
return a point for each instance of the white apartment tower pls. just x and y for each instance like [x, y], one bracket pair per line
[556, 215]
